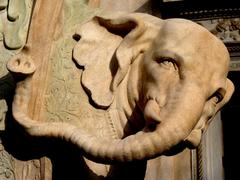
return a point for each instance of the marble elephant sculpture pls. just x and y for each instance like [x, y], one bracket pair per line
[166, 79]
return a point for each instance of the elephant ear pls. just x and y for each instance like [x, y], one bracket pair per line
[229, 91]
[107, 48]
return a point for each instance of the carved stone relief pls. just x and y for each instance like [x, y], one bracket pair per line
[14, 16]
[13, 169]
[111, 86]
[14, 23]
[97, 84]
[27, 170]
[226, 29]
[3, 111]
[6, 165]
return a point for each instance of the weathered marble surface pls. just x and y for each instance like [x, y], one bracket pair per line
[14, 23]
[14, 16]
[76, 81]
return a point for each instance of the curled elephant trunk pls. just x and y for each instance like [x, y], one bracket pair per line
[176, 124]
[173, 124]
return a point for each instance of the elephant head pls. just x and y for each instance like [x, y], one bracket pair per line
[171, 72]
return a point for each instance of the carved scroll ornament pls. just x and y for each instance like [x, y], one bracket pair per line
[157, 82]
[14, 21]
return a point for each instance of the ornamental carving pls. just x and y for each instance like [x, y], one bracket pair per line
[103, 94]
[225, 29]
[14, 16]
[121, 87]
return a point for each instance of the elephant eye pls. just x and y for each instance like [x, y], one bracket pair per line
[167, 62]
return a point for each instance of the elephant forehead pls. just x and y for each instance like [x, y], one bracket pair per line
[192, 44]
